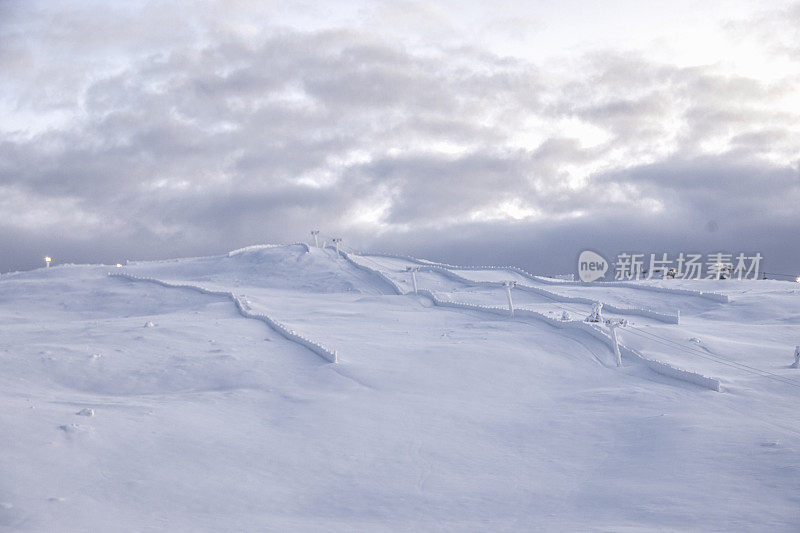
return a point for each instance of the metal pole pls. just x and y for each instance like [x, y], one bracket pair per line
[414, 279]
[508, 285]
[616, 344]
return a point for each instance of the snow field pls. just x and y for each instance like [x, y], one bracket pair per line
[435, 417]
[244, 309]
[660, 367]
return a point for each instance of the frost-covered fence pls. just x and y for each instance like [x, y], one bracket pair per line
[256, 247]
[397, 256]
[595, 331]
[666, 369]
[661, 317]
[375, 272]
[709, 295]
[244, 309]
[659, 367]
[493, 309]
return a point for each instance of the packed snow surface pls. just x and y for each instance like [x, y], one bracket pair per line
[131, 405]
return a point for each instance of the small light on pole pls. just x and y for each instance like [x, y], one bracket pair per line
[336, 241]
[315, 232]
[47, 261]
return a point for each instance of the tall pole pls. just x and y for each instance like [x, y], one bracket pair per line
[315, 232]
[508, 285]
[413, 271]
[336, 241]
[614, 339]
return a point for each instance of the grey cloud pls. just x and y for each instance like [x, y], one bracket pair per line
[736, 195]
[208, 140]
[431, 188]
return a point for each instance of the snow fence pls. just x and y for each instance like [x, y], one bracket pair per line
[659, 367]
[244, 309]
[255, 247]
[709, 295]
[636, 311]
[375, 272]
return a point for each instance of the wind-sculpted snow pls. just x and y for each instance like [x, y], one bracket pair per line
[672, 371]
[377, 273]
[709, 295]
[257, 247]
[266, 266]
[244, 309]
[660, 367]
[151, 406]
[662, 317]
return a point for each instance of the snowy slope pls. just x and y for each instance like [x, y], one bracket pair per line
[435, 418]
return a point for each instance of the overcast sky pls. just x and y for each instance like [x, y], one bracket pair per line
[481, 132]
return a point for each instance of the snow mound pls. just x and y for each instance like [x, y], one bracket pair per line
[452, 407]
[285, 267]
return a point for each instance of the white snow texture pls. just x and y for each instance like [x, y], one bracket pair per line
[288, 388]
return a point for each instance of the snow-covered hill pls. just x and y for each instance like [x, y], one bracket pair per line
[132, 404]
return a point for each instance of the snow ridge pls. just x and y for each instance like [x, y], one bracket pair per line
[659, 367]
[243, 308]
[662, 317]
[256, 247]
[397, 289]
[709, 295]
